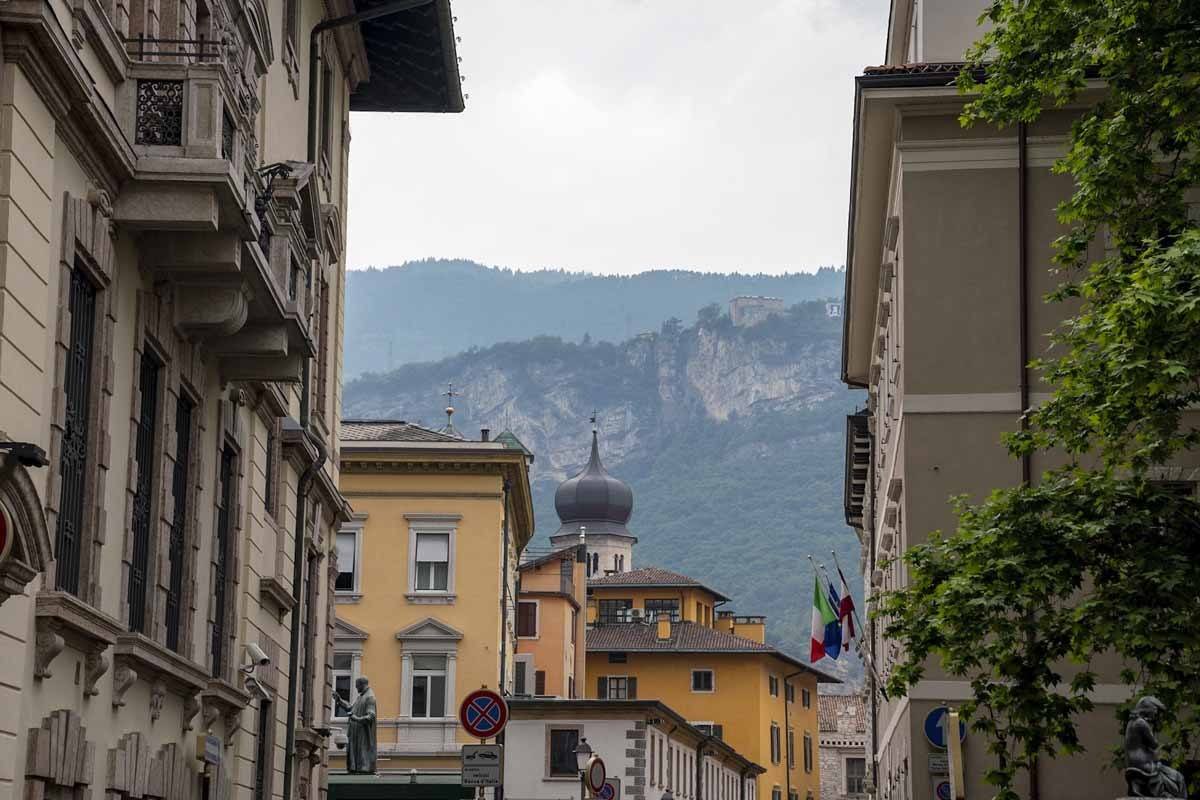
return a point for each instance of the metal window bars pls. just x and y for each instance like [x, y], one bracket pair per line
[149, 48]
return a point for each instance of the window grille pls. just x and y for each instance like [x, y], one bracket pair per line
[221, 570]
[263, 757]
[73, 464]
[179, 493]
[139, 566]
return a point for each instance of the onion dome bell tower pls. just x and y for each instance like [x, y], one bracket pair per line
[598, 505]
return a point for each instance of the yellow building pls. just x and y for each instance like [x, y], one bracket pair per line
[550, 624]
[654, 634]
[425, 591]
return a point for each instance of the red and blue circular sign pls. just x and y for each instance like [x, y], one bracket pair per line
[607, 792]
[483, 713]
[943, 790]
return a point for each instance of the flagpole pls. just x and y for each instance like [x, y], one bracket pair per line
[842, 575]
[866, 659]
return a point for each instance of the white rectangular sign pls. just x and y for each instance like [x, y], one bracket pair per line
[482, 764]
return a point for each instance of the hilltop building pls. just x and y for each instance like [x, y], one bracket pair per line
[551, 595]
[426, 584]
[843, 746]
[946, 227]
[658, 635]
[172, 263]
[746, 311]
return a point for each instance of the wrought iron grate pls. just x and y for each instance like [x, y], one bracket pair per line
[142, 499]
[76, 425]
[179, 493]
[221, 570]
[159, 112]
[227, 131]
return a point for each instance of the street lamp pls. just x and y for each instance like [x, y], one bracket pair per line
[583, 754]
[668, 795]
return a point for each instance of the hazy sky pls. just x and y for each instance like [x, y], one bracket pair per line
[622, 135]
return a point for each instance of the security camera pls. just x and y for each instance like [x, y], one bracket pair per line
[257, 655]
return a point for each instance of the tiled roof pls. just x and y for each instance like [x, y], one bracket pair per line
[831, 707]
[651, 576]
[930, 68]
[686, 637]
[390, 430]
[553, 555]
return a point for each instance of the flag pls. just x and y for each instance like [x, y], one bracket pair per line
[824, 625]
[833, 639]
[846, 612]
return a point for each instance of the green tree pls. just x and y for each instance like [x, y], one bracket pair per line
[1098, 557]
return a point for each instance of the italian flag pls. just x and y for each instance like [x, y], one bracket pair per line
[825, 623]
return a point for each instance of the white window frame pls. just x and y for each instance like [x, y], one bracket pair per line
[537, 618]
[530, 674]
[608, 679]
[352, 674]
[692, 680]
[445, 673]
[434, 643]
[435, 524]
[697, 725]
[354, 526]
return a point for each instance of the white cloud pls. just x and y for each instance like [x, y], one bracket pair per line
[619, 135]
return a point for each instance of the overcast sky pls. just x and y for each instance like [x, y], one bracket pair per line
[623, 135]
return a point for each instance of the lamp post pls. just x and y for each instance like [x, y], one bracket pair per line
[668, 795]
[583, 754]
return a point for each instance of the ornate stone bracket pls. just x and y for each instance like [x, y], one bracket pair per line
[158, 696]
[48, 645]
[191, 707]
[223, 699]
[63, 619]
[95, 664]
[124, 676]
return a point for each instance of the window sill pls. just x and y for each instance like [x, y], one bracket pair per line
[63, 619]
[346, 598]
[431, 598]
[562, 778]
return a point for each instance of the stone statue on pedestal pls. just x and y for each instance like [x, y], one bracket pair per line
[1145, 775]
[360, 744]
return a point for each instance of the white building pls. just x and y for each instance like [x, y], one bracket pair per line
[647, 748]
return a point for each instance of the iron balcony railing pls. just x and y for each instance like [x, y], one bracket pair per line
[146, 48]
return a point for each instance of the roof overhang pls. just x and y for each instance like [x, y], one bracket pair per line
[412, 60]
[659, 585]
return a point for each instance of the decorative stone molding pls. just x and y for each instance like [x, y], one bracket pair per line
[158, 696]
[94, 665]
[207, 311]
[59, 756]
[63, 619]
[191, 707]
[124, 676]
[272, 592]
[134, 773]
[21, 511]
[225, 700]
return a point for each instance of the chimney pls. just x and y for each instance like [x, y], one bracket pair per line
[664, 627]
[485, 434]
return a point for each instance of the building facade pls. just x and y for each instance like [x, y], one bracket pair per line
[172, 226]
[425, 594]
[949, 258]
[747, 311]
[843, 746]
[551, 595]
[648, 749]
[655, 634]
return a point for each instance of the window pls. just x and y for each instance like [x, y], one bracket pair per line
[808, 753]
[774, 743]
[702, 680]
[429, 686]
[308, 636]
[667, 607]
[806, 698]
[176, 551]
[527, 619]
[710, 729]
[264, 752]
[616, 687]
[856, 776]
[294, 279]
[791, 749]
[561, 752]
[520, 676]
[571, 687]
[539, 683]
[343, 683]
[618, 658]
[143, 497]
[611, 611]
[433, 562]
[574, 624]
[776, 793]
[789, 692]
[76, 451]
[225, 493]
[773, 685]
[595, 565]
[347, 561]
[326, 113]
[271, 469]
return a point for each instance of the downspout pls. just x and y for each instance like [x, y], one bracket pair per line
[787, 733]
[871, 679]
[504, 593]
[1023, 337]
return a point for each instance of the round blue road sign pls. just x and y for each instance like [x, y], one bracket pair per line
[942, 790]
[935, 727]
[483, 713]
[608, 792]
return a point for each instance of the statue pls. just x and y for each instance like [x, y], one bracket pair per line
[1145, 775]
[360, 745]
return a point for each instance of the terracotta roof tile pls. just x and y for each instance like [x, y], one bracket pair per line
[390, 430]
[830, 707]
[929, 68]
[651, 576]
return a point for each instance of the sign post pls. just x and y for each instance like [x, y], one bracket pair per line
[483, 713]
[958, 789]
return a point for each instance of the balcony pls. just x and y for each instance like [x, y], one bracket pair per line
[858, 467]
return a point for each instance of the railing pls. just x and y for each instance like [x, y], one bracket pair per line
[145, 48]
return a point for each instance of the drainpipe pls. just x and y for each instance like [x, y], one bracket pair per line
[1023, 335]
[504, 592]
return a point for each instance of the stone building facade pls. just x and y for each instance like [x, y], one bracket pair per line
[843, 746]
[172, 226]
[747, 311]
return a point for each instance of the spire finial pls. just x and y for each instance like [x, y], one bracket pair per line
[450, 394]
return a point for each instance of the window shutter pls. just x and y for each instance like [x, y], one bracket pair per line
[719, 732]
[602, 687]
[539, 682]
[633, 688]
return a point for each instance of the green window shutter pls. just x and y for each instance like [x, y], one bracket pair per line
[602, 687]
[633, 688]
[719, 732]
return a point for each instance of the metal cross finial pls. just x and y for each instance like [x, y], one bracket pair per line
[450, 393]
[595, 416]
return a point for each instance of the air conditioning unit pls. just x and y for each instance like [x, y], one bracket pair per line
[634, 615]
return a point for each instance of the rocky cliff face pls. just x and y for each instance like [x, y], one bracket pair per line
[730, 437]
